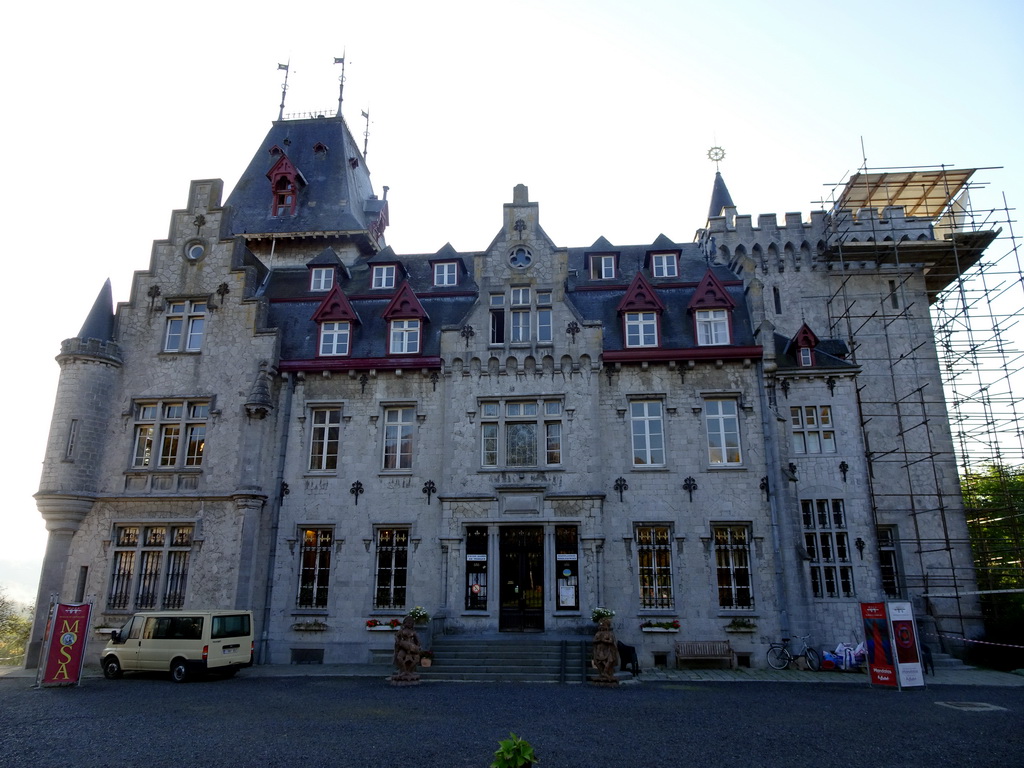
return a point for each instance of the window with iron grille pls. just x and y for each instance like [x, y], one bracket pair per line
[732, 566]
[828, 547]
[654, 565]
[150, 567]
[392, 571]
[170, 434]
[314, 567]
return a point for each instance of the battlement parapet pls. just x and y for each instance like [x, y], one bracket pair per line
[106, 351]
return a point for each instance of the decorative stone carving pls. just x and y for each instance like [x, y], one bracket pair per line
[606, 653]
[407, 654]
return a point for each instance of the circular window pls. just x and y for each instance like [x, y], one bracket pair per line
[195, 250]
[520, 257]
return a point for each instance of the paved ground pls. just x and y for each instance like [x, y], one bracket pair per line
[956, 676]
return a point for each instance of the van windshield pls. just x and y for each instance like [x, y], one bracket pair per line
[230, 626]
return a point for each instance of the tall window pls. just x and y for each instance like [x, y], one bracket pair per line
[648, 433]
[314, 567]
[284, 197]
[828, 547]
[520, 317]
[321, 278]
[521, 433]
[888, 560]
[654, 559]
[641, 329]
[723, 432]
[398, 426]
[170, 434]
[812, 429]
[712, 327]
[392, 568]
[476, 568]
[150, 567]
[664, 265]
[334, 338]
[405, 337]
[732, 565]
[325, 438]
[384, 276]
[186, 322]
[446, 273]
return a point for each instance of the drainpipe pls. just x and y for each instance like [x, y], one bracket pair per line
[277, 498]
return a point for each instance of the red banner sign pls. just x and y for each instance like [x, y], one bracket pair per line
[881, 665]
[69, 631]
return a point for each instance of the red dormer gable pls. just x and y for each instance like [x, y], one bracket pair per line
[805, 338]
[404, 305]
[640, 297]
[334, 307]
[711, 294]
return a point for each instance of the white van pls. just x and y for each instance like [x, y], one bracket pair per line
[185, 643]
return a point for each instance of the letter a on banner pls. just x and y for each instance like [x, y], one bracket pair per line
[68, 635]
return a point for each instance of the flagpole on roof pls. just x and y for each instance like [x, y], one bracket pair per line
[284, 87]
[341, 80]
[366, 133]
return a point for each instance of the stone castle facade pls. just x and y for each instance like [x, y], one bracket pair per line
[288, 416]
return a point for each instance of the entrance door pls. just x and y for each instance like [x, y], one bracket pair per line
[522, 579]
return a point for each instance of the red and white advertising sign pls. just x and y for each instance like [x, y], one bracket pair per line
[881, 664]
[68, 633]
[905, 644]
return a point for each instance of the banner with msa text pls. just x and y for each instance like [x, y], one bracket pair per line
[67, 636]
[881, 664]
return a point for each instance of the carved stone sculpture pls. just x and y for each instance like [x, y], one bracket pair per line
[606, 653]
[407, 654]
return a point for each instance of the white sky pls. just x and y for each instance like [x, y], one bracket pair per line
[605, 110]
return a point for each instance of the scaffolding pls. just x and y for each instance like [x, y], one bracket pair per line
[958, 358]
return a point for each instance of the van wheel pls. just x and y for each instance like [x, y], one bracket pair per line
[112, 668]
[179, 671]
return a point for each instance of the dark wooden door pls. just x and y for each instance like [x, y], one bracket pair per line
[522, 579]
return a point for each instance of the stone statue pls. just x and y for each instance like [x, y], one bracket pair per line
[407, 654]
[606, 653]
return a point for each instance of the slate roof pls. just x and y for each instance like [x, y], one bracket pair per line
[829, 353]
[336, 196]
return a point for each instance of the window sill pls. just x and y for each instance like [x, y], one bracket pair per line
[635, 468]
[726, 467]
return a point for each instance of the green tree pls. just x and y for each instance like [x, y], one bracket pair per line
[994, 500]
[15, 626]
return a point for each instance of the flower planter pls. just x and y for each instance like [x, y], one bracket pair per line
[383, 628]
[309, 627]
[426, 662]
[658, 629]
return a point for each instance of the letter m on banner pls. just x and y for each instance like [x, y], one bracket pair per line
[66, 640]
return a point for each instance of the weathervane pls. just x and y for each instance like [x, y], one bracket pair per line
[341, 80]
[366, 133]
[716, 154]
[284, 87]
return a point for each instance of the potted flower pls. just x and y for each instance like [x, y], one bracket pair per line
[426, 658]
[740, 624]
[419, 614]
[598, 614]
[376, 625]
[660, 626]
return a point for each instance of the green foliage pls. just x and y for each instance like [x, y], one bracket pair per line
[514, 752]
[15, 626]
[601, 613]
[994, 501]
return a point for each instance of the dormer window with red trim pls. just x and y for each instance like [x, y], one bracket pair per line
[285, 196]
[405, 316]
[641, 311]
[335, 317]
[712, 308]
[805, 341]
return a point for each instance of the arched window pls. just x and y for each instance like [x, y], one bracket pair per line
[284, 197]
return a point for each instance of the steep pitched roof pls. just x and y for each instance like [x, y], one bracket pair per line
[99, 324]
[720, 197]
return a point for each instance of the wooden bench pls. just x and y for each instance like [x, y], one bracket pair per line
[705, 650]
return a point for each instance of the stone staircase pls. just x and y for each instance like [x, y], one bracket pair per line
[508, 658]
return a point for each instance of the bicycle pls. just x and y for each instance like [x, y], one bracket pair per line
[780, 657]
